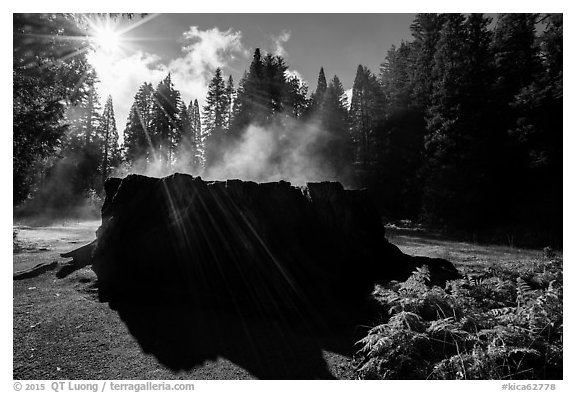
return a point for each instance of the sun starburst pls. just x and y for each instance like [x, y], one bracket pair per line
[107, 37]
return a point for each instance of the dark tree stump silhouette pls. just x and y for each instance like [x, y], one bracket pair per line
[196, 268]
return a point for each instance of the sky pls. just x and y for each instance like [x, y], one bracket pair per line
[191, 46]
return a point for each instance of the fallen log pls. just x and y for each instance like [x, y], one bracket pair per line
[35, 271]
[81, 257]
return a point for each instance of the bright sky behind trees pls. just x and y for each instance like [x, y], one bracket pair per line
[192, 46]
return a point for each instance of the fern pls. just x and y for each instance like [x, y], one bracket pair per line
[491, 325]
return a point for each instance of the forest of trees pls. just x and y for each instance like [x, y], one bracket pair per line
[460, 129]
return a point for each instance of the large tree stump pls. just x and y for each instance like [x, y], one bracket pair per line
[258, 247]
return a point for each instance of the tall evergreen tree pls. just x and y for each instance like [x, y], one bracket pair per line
[214, 118]
[81, 148]
[365, 113]
[45, 81]
[231, 97]
[426, 32]
[83, 120]
[263, 93]
[241, 109]
[137, 137]
[515, 53]
[273, 88]
[397, 177]
[108, 135]
[250, 96]
[336, 146]
[197, 135]
[296, 101]
[461, 147]
[186, 154]
[322, 85]
[164, 123]
[317, 98]
[395, 77]
[537, 131]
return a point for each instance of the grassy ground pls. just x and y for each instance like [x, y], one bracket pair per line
[467, 257]
[61, 331]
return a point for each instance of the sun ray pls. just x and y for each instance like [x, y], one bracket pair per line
[140, 22]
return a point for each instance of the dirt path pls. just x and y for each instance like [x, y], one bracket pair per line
[61, 330]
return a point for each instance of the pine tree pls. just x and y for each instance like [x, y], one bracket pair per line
[395, 76]
[296, 100]
[108, 136]
[186, 151]
[214, 118]
[322, 85]
[460, 138]
[366, 111]
[337, 145]
[242, 109]
[251, 96]
[137, 138]
[197, 135]
[400, 137]
[45, 81]
[164, 123]
[231, 97]
[426, 32]
[515, 53]
[263, 93]
[273, 88]
[318, 97]
[81, 146]
[537, 128]
[83, 120]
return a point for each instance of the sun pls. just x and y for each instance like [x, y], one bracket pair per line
[107, 38]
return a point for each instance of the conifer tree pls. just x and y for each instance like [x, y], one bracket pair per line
[426, 32]
[83, 121]
[263, 93]
[186, 149]
[317, 98]
[108, 135]
[197, 135]
[164, 123]
[536, 124]
[515, 53]
[241, 109]
[395, 76]
[337, 147]
[322, 85]
[46, 80]
[214, 118]
[273, 88]
[365, 113]
[137, 137]
[296, 101]
[459, 137]
[231, 97]
[81, 144]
